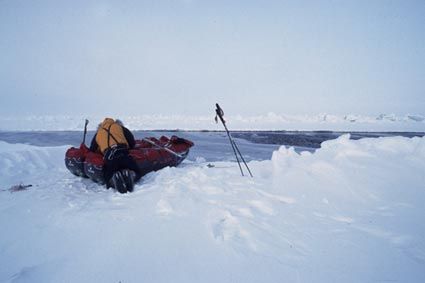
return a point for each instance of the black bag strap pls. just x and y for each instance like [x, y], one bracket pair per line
[110, 134]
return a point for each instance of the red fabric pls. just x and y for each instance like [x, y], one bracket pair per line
[142, 144]
[163, 140]
[94, 158]
[74, 152]
[143, 150]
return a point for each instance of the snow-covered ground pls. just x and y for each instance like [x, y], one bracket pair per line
[269, 121]
[352, 211]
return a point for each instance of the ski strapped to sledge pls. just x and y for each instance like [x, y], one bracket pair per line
[164, 148]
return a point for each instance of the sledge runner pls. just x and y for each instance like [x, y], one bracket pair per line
[114, 140]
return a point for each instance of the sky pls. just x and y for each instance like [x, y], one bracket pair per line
[182, 56]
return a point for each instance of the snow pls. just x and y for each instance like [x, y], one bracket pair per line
[352, 211]
[269, 121]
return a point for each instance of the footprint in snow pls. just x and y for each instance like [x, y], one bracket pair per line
[227, 227]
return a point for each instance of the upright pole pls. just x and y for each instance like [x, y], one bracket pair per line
[246, 165]
[85, 131]
[219, 112]
[235, 148]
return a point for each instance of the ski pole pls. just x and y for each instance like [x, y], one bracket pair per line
[220, 114]
[85, 131]
[243, 160]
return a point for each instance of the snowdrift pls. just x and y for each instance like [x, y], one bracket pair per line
[350, 212]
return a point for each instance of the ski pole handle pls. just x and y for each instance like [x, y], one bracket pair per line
[220, 113]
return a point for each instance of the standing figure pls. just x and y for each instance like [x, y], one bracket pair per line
[114, 140]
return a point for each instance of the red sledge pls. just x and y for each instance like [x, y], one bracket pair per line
[150, 155]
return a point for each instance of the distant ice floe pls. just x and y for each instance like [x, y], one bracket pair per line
[269, 121]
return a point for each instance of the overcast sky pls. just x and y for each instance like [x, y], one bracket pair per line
[182, 56]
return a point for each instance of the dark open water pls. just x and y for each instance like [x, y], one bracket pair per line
[210, 146]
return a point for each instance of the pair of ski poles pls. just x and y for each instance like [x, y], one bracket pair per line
[220, 113]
